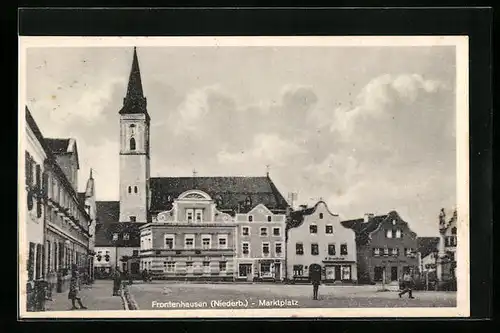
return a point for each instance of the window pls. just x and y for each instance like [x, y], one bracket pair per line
[398, 233]
[331, 249]
[222, 242]
[395, 251]
[386, 251]
[115, 236]
[135, 189]
[343, 249]
[169, 242]
[278, 248]
[189, 215]
[299, 248]
[206, 242]
[277, 231]
[132, 144]
[265, 249]
[245, 248]
[222, 266]
[135, 253]
[126, 236]
[313, 229]
[133, 218]
[376, 251]
[320, 216]
[28, 168]
[169, 267]
[263, 231]
[314, 249]
[189, 242]
[250, 218]
[393, 222]
[269, 218]
[189, 264]
[346, 272]
[298, 270]
[409, 252]
[329, 229]
[245, 231]
[199, 215]
[130, 189]
[454, 231]
[388, 234]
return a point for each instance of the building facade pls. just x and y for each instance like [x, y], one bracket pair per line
[33, 201]
[315, 236]
[260, 250]
[447, 261]
[386, 247]
[62, 221]
[185, 227]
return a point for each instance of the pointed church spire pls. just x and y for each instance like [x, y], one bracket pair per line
[90, 190]
[134, 101]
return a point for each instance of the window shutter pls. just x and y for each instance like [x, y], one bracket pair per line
[27, 161]
[45, 184]
[39, 207]
[31, 261]
[29, 200]
[38, 175]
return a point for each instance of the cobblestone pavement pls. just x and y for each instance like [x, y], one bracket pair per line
[98, 296]
[299, 295]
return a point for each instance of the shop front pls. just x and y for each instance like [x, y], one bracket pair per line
[268, 270]
[338, 270]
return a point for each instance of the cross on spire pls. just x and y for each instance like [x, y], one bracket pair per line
[268, 167]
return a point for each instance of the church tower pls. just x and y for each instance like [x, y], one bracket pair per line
[134, 150]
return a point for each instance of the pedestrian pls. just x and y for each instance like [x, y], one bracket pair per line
[52, 280]
[316, 281]
[407, 285]
[117, 280]
[74, 288]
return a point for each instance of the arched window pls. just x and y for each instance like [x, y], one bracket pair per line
[130, 189]
[135, 189]
[132, 144]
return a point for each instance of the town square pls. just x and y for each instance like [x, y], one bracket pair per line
[147, 185]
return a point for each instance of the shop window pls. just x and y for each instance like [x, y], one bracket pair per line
[346, 273]
[298, 270]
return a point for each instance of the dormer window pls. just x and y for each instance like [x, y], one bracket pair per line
[320, 216]
[198, 215]
[398, 233]
[189, 215]
[269, 218]
[132, 144]
[389, 233]
[250, 218]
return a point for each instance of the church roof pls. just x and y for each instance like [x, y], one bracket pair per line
[107, 211]
[231, 193]
[134, 101]
[104, 234]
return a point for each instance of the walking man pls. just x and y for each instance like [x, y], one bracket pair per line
[407, 285]
[74, 288]
[117, 280]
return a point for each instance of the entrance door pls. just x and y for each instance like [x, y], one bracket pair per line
[277, 271]
[378, 273]
[394, 273]
[337, 273]
[134, 268]
[245, 271]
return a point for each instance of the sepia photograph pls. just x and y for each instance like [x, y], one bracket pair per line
[243, 177]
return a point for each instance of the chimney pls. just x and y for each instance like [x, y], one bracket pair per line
[368, 217]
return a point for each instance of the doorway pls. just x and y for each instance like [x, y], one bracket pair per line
[277, 271]
[134, 268]
[394, 273]
[378, 273]
[245, 271]
[337, 273]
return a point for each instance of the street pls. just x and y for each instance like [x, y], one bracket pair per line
[164, 295]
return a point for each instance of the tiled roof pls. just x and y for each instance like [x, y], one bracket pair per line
[232, 191]
[104, 234]
[107, 211]
[57, 146]
[427, 245]
[362, 228]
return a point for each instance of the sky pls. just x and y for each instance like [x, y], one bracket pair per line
[366, 129]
